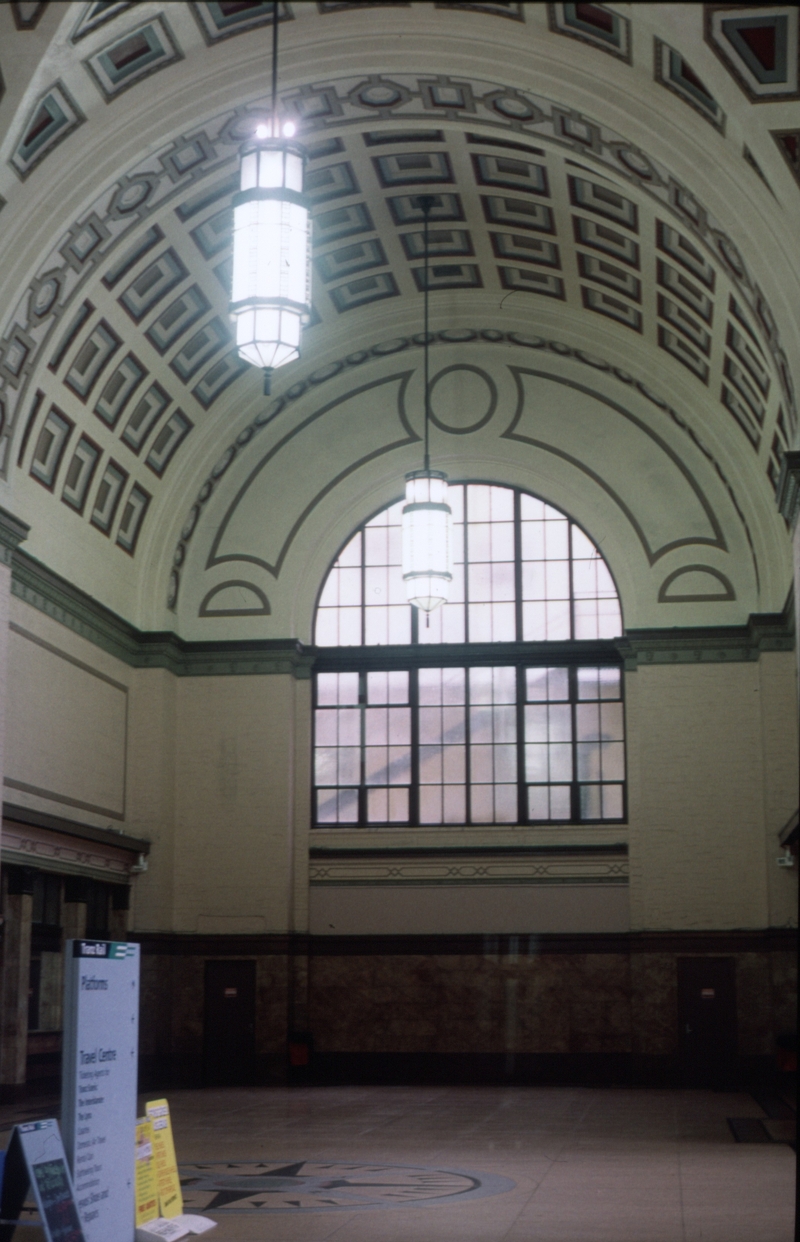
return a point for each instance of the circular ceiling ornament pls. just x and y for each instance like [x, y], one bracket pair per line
[234, 1187]
[468, 394]
[512, 106]
[44, 294]
[131, 194]
[379, 93]
[636, 162]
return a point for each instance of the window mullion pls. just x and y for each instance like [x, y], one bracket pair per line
[466, 564]
[575, 802]
[468, 749]
[571, 584]
[522, 796]
[363, 587]
[518, 564]
[362, 774]
[413, 793]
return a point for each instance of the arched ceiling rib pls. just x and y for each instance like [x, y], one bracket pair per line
[552, 232]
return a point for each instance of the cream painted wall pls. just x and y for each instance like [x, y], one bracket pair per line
[234, 781]
[217, 774]
[712, 762]
[151, 776]
[66, 740]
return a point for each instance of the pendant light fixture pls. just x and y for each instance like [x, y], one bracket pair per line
[427, 517]
[271, 293]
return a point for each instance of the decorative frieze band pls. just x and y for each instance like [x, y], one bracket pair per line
[53, 595]
[446, 867]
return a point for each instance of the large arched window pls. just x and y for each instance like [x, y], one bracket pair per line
[513, 720]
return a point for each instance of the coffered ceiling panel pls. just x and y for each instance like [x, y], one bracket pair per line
[128, 417]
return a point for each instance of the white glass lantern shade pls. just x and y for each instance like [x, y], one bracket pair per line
[427, 543]
[270, 297]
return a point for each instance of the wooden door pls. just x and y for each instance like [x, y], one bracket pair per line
[707, 1036]
[229, 1026]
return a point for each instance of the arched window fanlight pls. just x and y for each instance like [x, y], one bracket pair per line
[522, 571]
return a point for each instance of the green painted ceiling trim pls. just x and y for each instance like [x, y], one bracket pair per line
[12, 532]
[53, 595]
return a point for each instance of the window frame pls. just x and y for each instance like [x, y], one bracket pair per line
[573, 655]
[520, 654]
[518, 492]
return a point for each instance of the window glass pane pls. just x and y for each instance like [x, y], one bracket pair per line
[325, 765]
[549, 802]
[337, 688]
[612, 802]
[351, 553]
[392, 766]
[502, 584]
[327, 629]
[349, 766]
[591, 805]
[599, 683]
[560, 802]
[480, 583]
[612, 761]
[388, 687]
[442, 751]
[454, 804]
[387, 806]
[493, 752]
[502, 540]
[611, 721]
[547, 683]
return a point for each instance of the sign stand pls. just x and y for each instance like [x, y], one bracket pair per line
[99, 1081]
[36, 1158]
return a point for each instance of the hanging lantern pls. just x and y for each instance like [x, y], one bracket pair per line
[271, 283]
[427, 517]
[427, 555]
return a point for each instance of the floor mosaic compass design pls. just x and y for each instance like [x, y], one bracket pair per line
[319, 1186]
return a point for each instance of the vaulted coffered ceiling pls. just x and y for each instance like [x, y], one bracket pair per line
[614, 276]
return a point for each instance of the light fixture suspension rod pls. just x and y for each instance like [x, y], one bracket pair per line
[426, 202]
[275, 133]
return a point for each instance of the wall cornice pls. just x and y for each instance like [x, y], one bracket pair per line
[49, 593]
[12, 533]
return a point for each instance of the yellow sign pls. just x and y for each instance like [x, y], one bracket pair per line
[146, 1183]
[169, 1187]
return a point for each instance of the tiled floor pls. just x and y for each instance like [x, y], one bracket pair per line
[588, 1165]
[604, 1165]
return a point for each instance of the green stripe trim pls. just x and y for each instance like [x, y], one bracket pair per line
[48, 592]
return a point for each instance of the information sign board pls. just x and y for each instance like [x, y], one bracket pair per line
[98, 1097]
[36, 1158]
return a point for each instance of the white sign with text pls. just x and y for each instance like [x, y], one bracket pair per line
[99, 1080]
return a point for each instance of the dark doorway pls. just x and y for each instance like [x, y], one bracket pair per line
[229, 1028]
[707, 1037]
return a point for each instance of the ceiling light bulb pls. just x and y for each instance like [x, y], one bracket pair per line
[289, 129]
[262, 131]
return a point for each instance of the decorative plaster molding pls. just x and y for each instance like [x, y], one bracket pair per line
[50, 843]
[787, 495]
[382, 349]
[600, 864]
[46, 591]
[13, 532]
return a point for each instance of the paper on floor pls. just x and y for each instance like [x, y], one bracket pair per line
[163, 1230]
